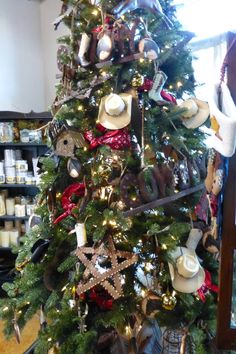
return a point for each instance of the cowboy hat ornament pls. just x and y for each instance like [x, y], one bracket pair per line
[197, 112]
[187, 275]
[115, 111]
[223, 133]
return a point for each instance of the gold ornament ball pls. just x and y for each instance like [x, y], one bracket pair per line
[53, 350]
[168, 301]
[58, 195]
[137, 80]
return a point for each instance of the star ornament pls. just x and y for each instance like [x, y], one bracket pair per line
[108, 278]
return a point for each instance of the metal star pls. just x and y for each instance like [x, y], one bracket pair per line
[111, 274]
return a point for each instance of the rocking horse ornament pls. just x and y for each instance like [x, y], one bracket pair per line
[130, 5]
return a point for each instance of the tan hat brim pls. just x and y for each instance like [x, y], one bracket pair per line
[116, 122]
[198, 119]
[186, 285]
[181, 284]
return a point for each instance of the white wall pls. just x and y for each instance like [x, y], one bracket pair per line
[21, 65]
[28, 54]
[49, 10]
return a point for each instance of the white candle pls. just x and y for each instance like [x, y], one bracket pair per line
[2, 205]
[14, 236]
[19, 210]
[10, 206]
[81, 234]
[5, 238]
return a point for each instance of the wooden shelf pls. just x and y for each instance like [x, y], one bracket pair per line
[13, 217]
[24, 144]
[163, 201]
[10, 115]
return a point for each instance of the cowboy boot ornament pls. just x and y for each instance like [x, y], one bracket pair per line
[158, 83]
[84, 46]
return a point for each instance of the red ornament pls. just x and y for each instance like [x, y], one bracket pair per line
[77, 189]
[146, 86]
[101, 298]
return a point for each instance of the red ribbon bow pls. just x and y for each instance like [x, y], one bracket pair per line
[77, 189]
[207, 285]
[116, 139]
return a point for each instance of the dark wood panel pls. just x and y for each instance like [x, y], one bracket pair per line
[226, 336]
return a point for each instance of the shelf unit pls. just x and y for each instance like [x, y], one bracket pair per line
[29, 150]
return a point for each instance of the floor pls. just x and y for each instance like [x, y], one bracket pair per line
[28, 336]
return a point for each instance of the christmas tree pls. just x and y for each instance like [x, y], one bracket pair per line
[119, 257]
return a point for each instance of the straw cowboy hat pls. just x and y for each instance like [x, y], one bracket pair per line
[223, 133]
[187, 275]
[196, 114]
[115, 111]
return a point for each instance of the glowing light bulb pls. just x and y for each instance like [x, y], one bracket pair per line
[148, 266]
[143, 293]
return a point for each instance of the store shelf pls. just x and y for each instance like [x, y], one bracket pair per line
[18, 185]
[23, 144]
[13, 217]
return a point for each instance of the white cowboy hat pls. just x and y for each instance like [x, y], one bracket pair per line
[115, 111]
[224, 139]
[196, 114]
[187, 275]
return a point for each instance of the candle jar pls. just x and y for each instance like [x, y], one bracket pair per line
[5, 238]
[10, 206]
[2, 205]
[19, 210]
[4, 193]
[14, 237]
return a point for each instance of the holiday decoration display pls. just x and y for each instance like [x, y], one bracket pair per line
[125, 235]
